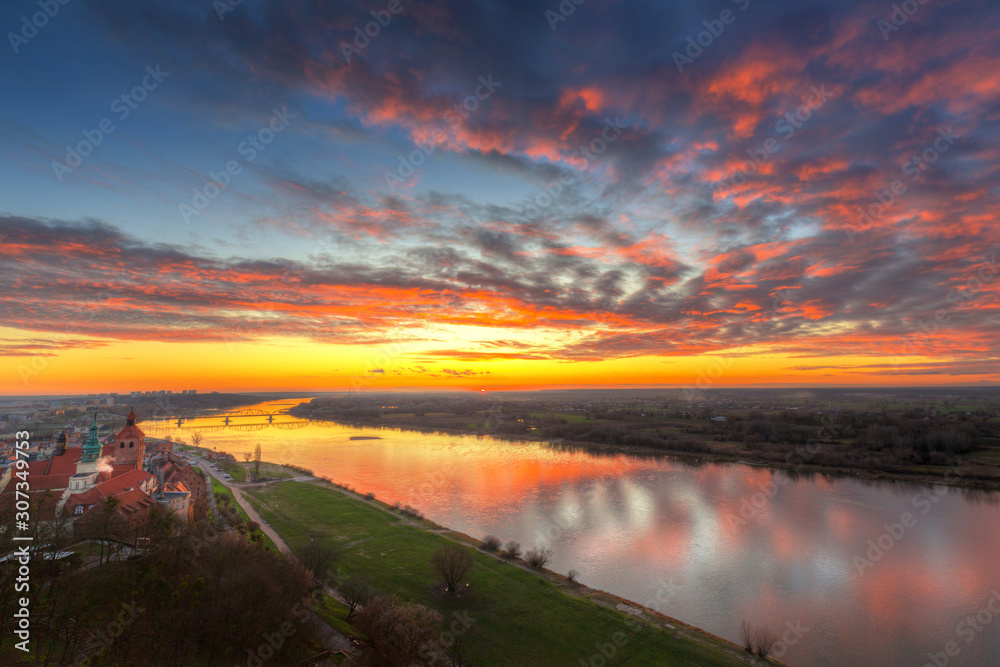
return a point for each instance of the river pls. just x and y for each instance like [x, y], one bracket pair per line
[848, 572]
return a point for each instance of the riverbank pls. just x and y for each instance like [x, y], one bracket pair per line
[516, 615]
[961, 476]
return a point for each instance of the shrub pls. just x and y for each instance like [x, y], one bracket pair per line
[452, 562]
[370, 496]
[539, 557]
[406, 510]
[763, 641]
[572, 575]
[397, 631]
[512, 550]
[759, 640]
[491, 543]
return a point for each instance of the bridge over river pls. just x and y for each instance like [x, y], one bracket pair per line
[242, 420]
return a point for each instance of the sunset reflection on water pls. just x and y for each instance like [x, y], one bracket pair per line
[678, 536]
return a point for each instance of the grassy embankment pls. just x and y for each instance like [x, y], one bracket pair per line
[521, 617]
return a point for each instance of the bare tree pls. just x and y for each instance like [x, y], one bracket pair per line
[746, 636]
[196, 438]
[105, 516]
[318, 558]
[256, 462]
[357, 592]
[452, 562]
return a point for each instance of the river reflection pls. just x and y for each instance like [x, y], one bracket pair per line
[833, 563]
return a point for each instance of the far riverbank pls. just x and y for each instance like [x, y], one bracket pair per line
[958, 476]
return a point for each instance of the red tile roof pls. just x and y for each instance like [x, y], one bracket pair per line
[47, 482]
[132, 479]
[122, 468]
[115, 486]
[54, 473]
[133, 501]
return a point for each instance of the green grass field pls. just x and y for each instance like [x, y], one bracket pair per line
[520, 618]
[272, 470]
[237, 470]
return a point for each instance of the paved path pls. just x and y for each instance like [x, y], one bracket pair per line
[332, 638]
[247, 507]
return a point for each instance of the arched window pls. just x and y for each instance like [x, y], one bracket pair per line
[123, 445]
[130, 444]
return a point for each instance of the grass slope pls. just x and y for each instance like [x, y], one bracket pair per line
[520, 618]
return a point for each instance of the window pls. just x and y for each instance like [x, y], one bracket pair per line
[123, 444]
[78, 510]
[130, 444]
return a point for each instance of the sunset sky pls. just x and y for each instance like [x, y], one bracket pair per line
[749, 192]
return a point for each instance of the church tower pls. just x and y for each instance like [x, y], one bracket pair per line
[86, 467]
[92, 446]
[130, 444]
